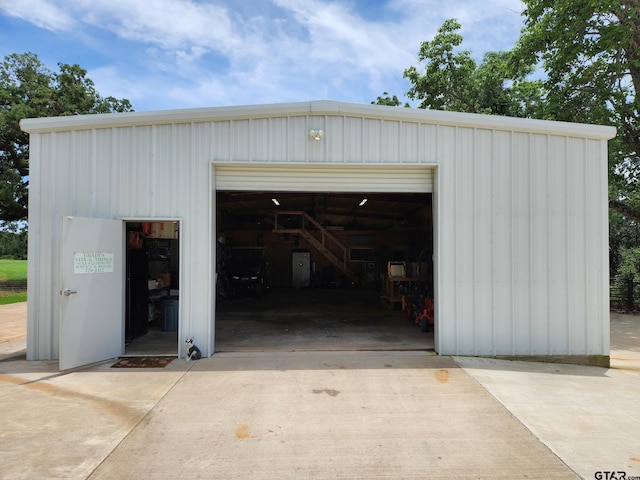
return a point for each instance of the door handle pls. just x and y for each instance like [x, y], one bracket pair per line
[68, 292]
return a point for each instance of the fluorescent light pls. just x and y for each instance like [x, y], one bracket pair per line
[275, 200]
[364, 200]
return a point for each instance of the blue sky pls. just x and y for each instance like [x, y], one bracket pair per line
[163, 54]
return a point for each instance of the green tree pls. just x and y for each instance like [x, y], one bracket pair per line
[27, 90]
[449, 78]
[590, 53]
[391, 101]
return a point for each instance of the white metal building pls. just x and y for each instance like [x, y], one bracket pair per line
[520, 215]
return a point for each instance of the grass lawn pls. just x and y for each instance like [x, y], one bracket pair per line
[12, 297]
[13, 270]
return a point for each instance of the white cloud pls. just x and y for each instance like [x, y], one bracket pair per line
[189, 52]
[42, 13]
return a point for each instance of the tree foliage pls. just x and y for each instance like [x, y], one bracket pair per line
[590, 53]
[390, 101]
[27, 90]
[449, 78]
[13, 245]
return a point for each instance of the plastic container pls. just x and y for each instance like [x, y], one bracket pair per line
[170, 314]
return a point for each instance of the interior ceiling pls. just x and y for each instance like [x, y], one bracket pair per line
[382, 210]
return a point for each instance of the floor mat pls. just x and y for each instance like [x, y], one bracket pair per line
[143, 362]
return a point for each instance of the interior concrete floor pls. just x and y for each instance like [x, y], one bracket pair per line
[154, 342]
[298, 320]
[315, 319]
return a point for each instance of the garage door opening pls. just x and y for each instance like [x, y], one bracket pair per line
[324, 271]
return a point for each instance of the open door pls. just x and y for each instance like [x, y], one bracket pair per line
[92, 293]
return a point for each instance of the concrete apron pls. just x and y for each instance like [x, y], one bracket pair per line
[264, 415]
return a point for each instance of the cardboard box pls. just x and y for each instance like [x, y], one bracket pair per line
[397, 269]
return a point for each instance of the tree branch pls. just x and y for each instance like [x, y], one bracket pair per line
[625, 210]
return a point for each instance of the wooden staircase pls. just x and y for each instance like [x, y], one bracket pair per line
[318, 237]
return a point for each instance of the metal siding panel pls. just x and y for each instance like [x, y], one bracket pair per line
[520, 249]
[390, 142]
[597, 249]
[502, 243]
[372, 135]
[240, 140]
[221, 145]
[538, 173]
[409, 144]
[428, 143]
[162, 169]
[602, 190]
[352, 139]
[280, 140]
[105, 169]
[577, 252]
[448, 318]
[143, 196]
[260, 139]
[297, 139]
[558, 241]
[125, 179]
[45, 345]
[436, 259]
[196, 240]
[464, 239]
[333, 141]
[80, 167]
[483, 241]
[593, 255]
[37, 322]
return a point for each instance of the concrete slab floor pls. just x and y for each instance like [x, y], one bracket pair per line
[315, 319]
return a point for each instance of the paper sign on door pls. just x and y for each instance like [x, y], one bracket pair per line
[92, 262]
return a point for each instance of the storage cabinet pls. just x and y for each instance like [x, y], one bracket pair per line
[301, 269]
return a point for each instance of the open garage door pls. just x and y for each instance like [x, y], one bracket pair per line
[324, 178]
[327, 236]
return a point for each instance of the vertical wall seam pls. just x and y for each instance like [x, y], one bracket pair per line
[532, 214]
[493, 244]
[114, 171]
[154, 170]
[585, 201]
[510, 216]
[567, 232]
[454, 211]
[550, 348]
[474, 231]
[73, 172]
[94, 174]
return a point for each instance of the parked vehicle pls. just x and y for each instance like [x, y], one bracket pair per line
[248, 271]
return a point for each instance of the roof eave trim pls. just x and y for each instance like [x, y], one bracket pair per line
[318, 107]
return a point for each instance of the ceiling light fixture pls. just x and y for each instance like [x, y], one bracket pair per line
[275, 200]
[316, 134]
[364, 200]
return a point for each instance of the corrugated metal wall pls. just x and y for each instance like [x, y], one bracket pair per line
[522, 244]
[521, 218]
[132, 172]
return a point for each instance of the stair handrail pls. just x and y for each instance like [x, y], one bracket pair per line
[324, 232]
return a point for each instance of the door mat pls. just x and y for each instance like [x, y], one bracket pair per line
[143, 362]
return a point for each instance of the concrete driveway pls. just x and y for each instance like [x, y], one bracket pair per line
[321, 415]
